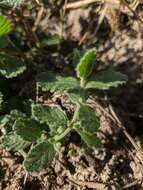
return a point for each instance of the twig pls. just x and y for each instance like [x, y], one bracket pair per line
[88, 184]
[25, 179]
[83, 3]
[131, 10]
[38, 19]
[101, 18]
[130, 185]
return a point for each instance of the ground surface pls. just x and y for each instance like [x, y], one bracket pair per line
[119, 165]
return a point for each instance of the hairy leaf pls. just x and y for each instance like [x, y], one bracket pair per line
[90, 140]
[27, 129]
[40, 157]
[5, 26]
[52, 116]
[84, 68]
[10, 3]
[88, 120]
[53, 82]
[7, 121]
[11, 66]
[106, 79]
[13, 142]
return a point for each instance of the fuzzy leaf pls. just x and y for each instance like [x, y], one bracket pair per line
[10, 3]
[27, 129]
[84, 68]
[13, 142]
[88, 120]
[52, 116]
[90, 140]
[11, 66]
[5, 26]
[106, 79]
[53, 82]
[40, 157]
[7, 121]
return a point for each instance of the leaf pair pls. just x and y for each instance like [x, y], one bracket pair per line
[103, 80]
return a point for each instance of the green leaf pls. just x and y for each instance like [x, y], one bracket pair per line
[88, 120]
[10, 3]
[106, 79]
[40, 157]
[52, 116]
[13, 142]
[53, 82]
[90, 140]
[51, 41]
[7, 121]
[27, 129]
[5, 26]
[11, 66]
[85, 66]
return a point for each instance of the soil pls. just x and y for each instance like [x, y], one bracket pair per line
[119, 164]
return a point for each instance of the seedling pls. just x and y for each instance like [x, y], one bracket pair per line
[43, 132]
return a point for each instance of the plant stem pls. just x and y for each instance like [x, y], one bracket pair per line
[82, 90]
[82, 82]
[69, 128]
[62, 135]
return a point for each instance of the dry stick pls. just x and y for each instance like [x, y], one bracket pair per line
[29, 31]
[25, 178]
[64, 8]
[130, 9]
[91, 185]
[83, 3]
[101, 18]
[62, 15]
[38, 18]
[83, 38]
[130, 184]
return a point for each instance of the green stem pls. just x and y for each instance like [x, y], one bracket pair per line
[82, 82]
[70, 127]
[62, 135]
[82, 90]
[75, 116]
